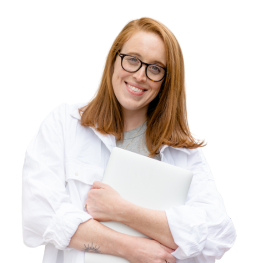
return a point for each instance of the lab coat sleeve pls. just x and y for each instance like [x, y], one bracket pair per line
[48, 216]
[201, 227]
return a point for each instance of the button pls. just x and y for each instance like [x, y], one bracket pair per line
[76, 174]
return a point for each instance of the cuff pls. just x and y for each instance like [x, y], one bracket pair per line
[189, 230]
[64, 225]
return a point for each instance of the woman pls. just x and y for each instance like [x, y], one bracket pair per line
[142, 93]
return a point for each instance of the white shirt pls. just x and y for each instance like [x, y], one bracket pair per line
[61, 164]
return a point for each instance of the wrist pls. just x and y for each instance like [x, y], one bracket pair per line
[128, 247]
[123, 215]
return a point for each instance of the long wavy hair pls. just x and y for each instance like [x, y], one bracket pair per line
[167, 115]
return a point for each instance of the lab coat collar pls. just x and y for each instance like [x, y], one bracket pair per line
[109, 139]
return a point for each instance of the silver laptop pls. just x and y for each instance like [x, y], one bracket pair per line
[145, 182]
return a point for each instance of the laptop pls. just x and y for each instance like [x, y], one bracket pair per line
[145, 182]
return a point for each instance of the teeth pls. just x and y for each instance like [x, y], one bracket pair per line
[134, 89]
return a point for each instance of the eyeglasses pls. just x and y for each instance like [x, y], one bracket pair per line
[132, 64]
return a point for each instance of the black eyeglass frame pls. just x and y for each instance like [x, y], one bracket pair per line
[142, 63]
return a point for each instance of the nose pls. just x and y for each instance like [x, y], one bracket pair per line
[140, 75]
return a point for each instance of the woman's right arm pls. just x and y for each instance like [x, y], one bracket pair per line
[92, 236]
[48, 214]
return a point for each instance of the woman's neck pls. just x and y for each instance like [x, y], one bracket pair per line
[132, 120]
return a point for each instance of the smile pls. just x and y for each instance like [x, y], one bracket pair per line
[134, 90]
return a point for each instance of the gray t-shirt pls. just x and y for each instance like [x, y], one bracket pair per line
[138, 144]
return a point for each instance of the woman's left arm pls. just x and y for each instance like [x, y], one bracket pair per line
[152, 223]
[201, 228]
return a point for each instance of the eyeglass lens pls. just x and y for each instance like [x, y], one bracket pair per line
[132, 64]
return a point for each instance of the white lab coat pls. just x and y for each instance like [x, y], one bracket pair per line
[61, 164]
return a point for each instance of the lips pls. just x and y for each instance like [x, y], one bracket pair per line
[136, 86]
[134, 93]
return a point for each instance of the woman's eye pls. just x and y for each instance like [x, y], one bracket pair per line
[155, 69]
[133, 60]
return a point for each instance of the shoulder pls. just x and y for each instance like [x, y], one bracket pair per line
[196, 156]
[73, 109]
[65, 111]
[190, 152]
[190, 159]
[197, 162]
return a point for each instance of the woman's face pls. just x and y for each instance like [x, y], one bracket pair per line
[149, 48]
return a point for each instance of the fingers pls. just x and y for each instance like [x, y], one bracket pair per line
[98, 185]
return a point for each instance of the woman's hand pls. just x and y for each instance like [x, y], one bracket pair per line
[144, 250]
[104, 203]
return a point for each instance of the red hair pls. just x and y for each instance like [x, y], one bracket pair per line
[167, 115]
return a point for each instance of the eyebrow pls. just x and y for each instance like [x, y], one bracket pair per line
[154, 62]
